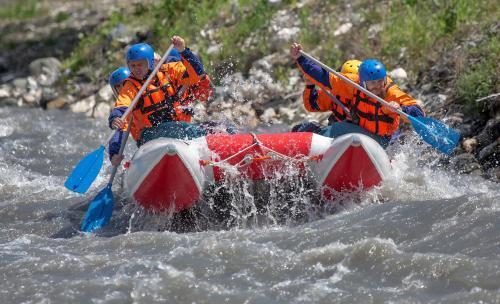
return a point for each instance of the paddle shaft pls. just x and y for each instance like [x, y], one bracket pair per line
[335, 99]
[357, 86]
[120, 153]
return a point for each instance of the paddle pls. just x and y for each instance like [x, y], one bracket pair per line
[340, 104]
[100, 209]
[432, 131]
[85, 172]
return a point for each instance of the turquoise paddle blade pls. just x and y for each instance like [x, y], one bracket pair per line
[436, 133]
[100, 211]
[85, 172]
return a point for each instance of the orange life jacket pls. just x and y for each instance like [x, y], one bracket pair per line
[368, 114]
[202, 90]
[159, 102]
[323, 101]
[338, 114]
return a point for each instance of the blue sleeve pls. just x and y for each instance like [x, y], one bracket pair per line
[313, 97]
[173, 56]
[315, 71]
[194, 61]
[414, 111]
[116, 112]
[115, 143]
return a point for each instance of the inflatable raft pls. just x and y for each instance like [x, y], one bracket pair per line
[171, 174]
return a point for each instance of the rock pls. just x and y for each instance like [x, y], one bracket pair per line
[343, 29]
[46, 70]
[469, 144]
[57, 103]
[489, 156]
[4, 65]
[105, 94]
[490, 133]
[48, 94]
[102, 110]
[433, 102]
[269, 115]
[20, 84]
[470, 127]
[466, 163]
[293, 80]
[214, 49]
[427, 87]
[399, 75]
[11, 101]
[287, 115]
[374, 30]
[454, 119]
[5, 92]
[284, 27]
[263, 64]
[84, 106]
[33, 95]
[121, 33]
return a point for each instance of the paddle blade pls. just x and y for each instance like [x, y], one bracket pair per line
[436, 133]
[99, 212]
[85, 172]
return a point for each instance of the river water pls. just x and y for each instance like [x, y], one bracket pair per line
[427, 235]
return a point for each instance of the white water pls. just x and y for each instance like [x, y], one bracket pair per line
[427, 235]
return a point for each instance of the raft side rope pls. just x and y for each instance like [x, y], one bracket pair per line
[248, 159]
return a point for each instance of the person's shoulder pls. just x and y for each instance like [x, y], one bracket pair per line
[170, 64]
[130, 86]
[170, 67]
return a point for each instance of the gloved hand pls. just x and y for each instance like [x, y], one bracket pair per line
[414, 111]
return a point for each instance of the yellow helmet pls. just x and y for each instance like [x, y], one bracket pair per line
[350, 66]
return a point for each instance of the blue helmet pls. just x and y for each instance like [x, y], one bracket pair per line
[371, 69]
[141, 51]
[118, 77]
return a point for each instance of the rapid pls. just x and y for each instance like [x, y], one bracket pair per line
[427, 235]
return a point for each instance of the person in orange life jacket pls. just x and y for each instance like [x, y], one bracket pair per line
[312, 97]
[369, 116]
[160, 101]
[200, 91]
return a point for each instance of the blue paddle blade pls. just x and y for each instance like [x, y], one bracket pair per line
[85, 171]
[436, 133]
[99, 212]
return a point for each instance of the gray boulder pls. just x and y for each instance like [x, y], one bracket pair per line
[46, 71]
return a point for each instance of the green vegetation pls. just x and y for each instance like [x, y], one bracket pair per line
[189, 19]
[20, 10]
[409, 33]
[482, 78]
[89, 51]
[62, 16]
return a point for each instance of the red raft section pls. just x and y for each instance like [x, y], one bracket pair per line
[353, 170]
[259, 149]
[158, 189]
